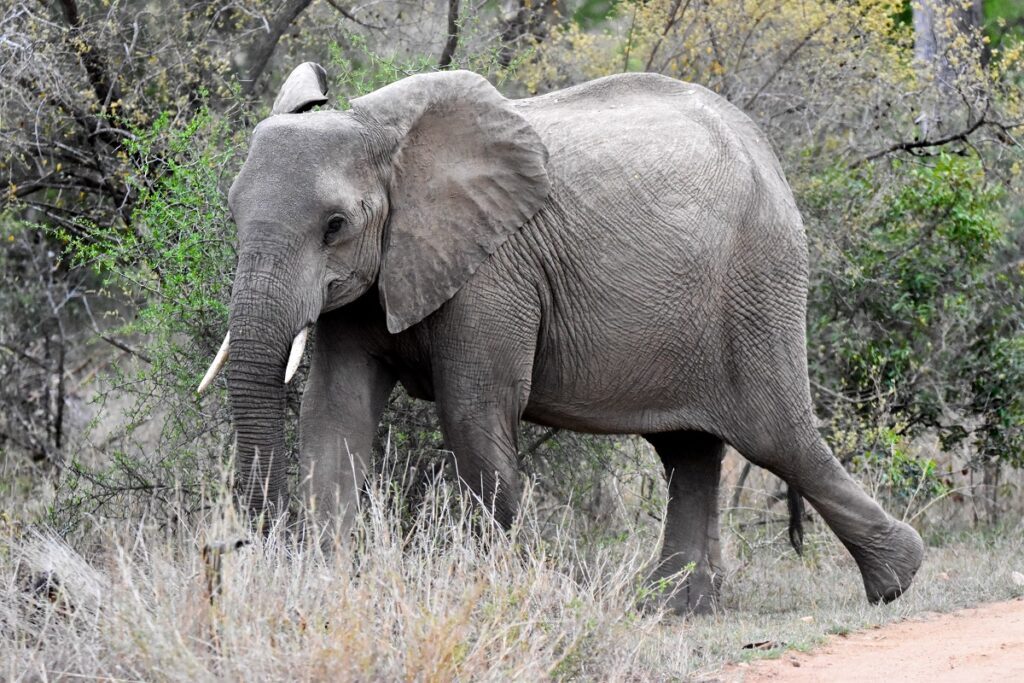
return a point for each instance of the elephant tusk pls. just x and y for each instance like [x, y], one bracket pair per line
[215, 367]
[295, 356]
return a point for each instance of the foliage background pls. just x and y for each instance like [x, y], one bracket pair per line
[124, 121]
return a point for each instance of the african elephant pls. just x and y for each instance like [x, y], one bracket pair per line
[624, 256]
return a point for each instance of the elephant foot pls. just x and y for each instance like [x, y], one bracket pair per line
[888, 566]
[682, 595]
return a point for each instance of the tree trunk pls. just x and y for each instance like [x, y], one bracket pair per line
[990, 489]
[947, 43]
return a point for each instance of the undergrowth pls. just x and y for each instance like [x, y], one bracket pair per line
[444, 595]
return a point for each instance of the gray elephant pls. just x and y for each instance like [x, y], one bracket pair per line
[624, 256]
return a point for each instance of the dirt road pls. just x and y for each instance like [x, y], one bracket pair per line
[981, 644]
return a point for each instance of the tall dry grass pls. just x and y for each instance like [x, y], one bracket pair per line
[442, 595]
[436, 596]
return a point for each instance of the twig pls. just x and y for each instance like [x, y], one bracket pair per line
[739, 484]
[629, 42]
[842, 397]
[778, 69]
[540, 441]
[768, 521]
[348, 15]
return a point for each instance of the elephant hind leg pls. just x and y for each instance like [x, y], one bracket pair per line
[693, 462]
[888, 552]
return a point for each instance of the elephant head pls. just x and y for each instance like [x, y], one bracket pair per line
[409, 190]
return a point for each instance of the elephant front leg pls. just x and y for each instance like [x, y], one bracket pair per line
[482, 436]
[688, 573]
[482, 369]
[342, 405]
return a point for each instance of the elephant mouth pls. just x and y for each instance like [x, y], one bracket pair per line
[343, 290]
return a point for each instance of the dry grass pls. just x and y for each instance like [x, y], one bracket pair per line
[441, 597]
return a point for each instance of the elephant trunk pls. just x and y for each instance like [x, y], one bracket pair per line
[263, 322]
[256, 387]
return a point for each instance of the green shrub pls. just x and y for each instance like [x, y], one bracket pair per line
[915, 321]
[174, 261]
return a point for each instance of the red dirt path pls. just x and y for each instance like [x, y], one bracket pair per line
[981, 644]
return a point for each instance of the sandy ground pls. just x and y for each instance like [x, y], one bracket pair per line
[980, 644]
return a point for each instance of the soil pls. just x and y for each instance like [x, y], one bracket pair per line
[981, 644]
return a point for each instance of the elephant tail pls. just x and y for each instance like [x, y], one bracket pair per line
[795, 503]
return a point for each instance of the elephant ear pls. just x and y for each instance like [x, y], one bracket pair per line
[305, 87]
[467, 170]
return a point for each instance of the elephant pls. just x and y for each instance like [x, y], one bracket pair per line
[624, 256]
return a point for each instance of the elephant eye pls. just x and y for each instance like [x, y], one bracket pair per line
[334, 227]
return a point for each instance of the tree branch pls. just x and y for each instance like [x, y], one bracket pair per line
[674, 15]
[778, 69]
[532, 449]
[961, 136]
[127, 349]
[453, 36]
[348, 15]
[23, 355]
[529, 19]
[262, 48]
[106, 90]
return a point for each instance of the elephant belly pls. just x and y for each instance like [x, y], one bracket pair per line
[636, 350]
[632, 333]
[629, 393]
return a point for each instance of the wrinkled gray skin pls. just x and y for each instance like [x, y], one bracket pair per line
[624, 256]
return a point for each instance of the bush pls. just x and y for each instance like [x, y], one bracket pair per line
[914, 312]
[41, 320]
[174, 260]
[915, 320]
